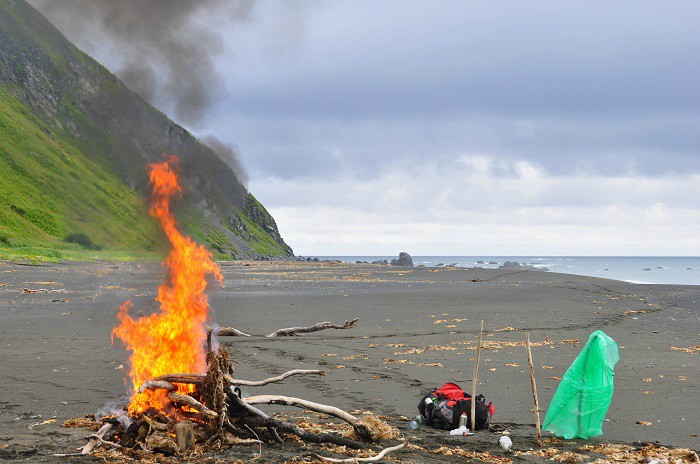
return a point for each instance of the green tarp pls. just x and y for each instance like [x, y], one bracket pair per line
[583, 397]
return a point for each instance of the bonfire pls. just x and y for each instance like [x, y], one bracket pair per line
[184, 391]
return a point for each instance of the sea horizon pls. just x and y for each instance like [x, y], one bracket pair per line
[674, 270]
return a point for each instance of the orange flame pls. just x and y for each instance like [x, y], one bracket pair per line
[171, 340]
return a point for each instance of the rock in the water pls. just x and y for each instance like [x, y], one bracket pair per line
[404, 260]
[521, 267]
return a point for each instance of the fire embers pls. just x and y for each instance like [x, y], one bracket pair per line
[171, 340]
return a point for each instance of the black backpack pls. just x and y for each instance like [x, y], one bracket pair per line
[443, 407]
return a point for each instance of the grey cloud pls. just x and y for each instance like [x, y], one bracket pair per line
[456, 58]
[607, 88]
[328, 149]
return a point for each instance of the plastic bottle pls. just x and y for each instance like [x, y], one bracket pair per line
[419, 419]
[463, 420]
[505, 442]
[413, 425]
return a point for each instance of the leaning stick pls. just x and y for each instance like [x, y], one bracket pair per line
[179, 398]
[476, 371]
[230, 332]
[290, 331]
[357, 424]
[95, 440]
[534, 389]
[279, 378]
[379, 456]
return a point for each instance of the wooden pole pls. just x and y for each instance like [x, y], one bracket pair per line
[534, 389]
[476, 371]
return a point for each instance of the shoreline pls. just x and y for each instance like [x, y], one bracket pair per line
[58, 360]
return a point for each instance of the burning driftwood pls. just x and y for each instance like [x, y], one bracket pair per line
[216, 416]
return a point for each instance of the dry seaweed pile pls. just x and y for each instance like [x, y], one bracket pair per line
[616, 453]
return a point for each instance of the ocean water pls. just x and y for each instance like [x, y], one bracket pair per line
[635, 269]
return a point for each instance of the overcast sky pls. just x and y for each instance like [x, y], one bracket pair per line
[459, 128]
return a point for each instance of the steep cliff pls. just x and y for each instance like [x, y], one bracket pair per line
[73, 109]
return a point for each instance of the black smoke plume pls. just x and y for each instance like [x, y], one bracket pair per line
[230, 155]
[166, 47]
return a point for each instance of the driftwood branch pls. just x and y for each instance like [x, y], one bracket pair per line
[258, 418]
[95, 440]
[43, 290]
[279, 378]
[230, 332]
[357, 424]
[157, 385]
[179, 398]
[375, 458]
[290, 331]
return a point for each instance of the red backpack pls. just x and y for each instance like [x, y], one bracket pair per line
[442, 408]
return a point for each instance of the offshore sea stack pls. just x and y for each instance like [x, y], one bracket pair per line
[404, 260]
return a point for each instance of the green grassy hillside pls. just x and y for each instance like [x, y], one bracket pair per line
[55, 202]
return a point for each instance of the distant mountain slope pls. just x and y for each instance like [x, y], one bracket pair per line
[74, 143]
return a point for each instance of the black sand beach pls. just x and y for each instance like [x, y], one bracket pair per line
[57, 362]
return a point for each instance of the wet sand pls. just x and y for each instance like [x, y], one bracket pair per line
[57, 362]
